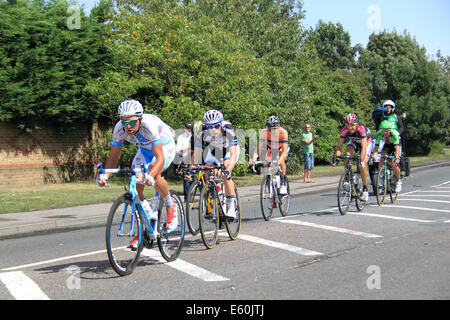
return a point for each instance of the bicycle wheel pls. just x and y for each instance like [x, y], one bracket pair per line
[393, 195]
[344, 194]
[266, 198]
[209, 216]
[193, 207]
[121, 228]
[381, 187]
[285, 200]
[170, 243]
[234, 227]
[360, 205]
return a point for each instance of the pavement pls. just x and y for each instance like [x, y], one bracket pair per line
[22, 223]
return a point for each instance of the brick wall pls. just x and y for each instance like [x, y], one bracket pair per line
[45, 156]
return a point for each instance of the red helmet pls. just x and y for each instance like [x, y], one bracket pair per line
[351, 118]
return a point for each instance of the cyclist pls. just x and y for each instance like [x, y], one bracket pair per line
[156, 143]
[217, 143]
[391, 139]
[360, 140]
[276, 138]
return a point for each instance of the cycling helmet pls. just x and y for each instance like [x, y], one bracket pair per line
[389, 103]
[212, 116]
[273, 122]
[130, 108]
[386, 125]
[351, 118]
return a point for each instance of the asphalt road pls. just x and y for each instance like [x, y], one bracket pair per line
[399, 251]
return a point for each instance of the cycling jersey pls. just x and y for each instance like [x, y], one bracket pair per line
[274, 138]
[153, 131]
[394, 138]
[217, 147]
[360, 133]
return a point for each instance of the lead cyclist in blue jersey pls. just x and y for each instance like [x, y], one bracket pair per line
[155, 140]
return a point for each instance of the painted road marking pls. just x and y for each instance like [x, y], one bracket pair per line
[389, 217]
[21, 287]
[185, 267]
[280, 245]
[330, 228]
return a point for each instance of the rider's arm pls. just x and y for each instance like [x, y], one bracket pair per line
[233, 158]
[339, 146]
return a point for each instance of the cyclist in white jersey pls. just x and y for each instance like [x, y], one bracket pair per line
[156, 143]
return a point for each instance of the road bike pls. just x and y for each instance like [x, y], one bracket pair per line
[269, 195]
[386, 180]
[212, 205]
[128, 220]
[350, 185]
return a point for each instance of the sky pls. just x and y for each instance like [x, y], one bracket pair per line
[428, 21]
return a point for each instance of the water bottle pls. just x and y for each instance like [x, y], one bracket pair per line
[151, 209]
[355, 178]
[278, 181]
[154, 203]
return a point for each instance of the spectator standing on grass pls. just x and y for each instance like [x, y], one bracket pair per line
[308, 152]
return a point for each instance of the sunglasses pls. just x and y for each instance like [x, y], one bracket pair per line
[131, 122]
[214, 126]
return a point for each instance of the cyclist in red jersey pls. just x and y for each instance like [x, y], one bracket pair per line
[276, 138]
[360, 140]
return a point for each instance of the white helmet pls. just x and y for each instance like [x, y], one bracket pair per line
[212, 116]
[130, 108]
[389, 103]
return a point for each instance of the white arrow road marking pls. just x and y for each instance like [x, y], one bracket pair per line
[21, 287]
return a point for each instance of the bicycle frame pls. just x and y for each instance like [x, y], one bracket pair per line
[135, 201]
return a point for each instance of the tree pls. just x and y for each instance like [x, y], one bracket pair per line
[45, 66]
[333, 45]
[400, 70]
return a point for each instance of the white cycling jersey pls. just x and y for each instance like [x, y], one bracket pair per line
[153, 131]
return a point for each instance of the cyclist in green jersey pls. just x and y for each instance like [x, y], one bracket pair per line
[391, 140]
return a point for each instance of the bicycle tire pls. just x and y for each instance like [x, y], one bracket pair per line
[209, 216]
[360, 205]
[234, 227]
[193, 208]
[381, 187]
[392, 194]
[344, 196]
[171, 243]
[285, 200]
[266, 198]
[123, 260]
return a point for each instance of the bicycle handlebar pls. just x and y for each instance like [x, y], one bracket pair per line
[335, 158]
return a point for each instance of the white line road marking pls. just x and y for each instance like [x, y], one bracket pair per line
[185, 267]
[388, 217]
[428, 191]
[424, 200]
[314, 225]
[425, 195]
[415, 208]
[21, 287]
[53, 260]
[280, 245]
[438, 185]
